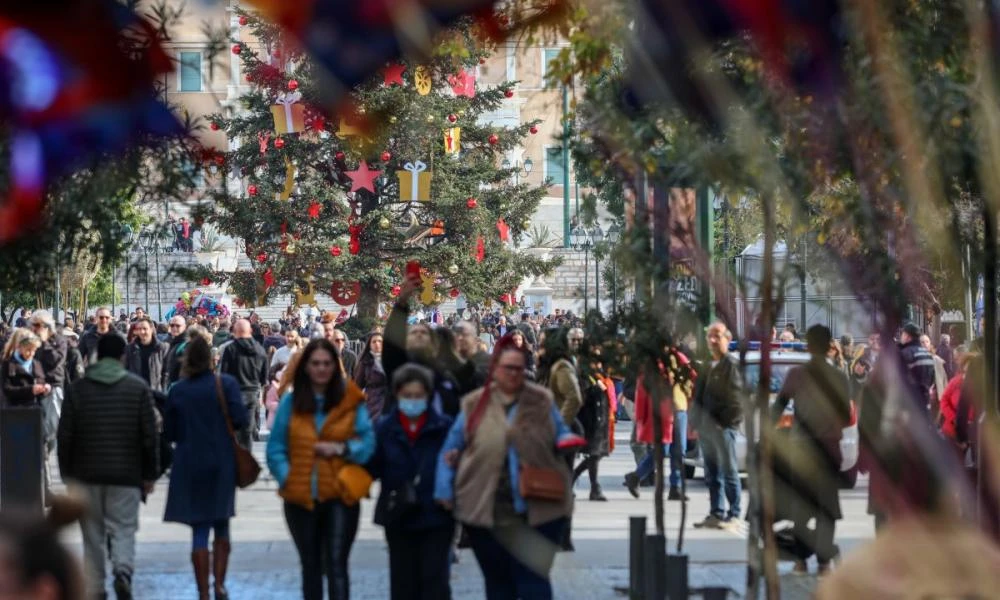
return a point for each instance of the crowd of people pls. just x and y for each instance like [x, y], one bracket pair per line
[477, 426]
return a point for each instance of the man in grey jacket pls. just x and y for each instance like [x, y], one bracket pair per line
[245, 359]
[108, 449]
[146, 356]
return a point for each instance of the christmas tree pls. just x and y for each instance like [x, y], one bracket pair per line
[405, 171]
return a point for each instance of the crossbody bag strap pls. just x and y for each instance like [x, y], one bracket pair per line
[222, 404]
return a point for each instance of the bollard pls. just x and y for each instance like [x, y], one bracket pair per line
[677, 576]
[715, 593]
[655, 572]
[636, 562]
[21, 479]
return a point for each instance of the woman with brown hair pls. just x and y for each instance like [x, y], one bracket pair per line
[321, 436]
[21, 376]
[511, 487]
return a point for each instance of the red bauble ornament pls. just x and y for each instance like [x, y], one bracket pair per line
[279, 143]
[244, 21]
[533, 130]
[395, 290]
[494, 139]
[386, 156]
[471, 203]
[293, 84]
[339, 156]
[454, 293]
[220, 159]
[252, 190]
[262, 257]
[482, 61]
[452, 117]
[206, 281]
[237, 48]
[508, 93]
[213, 126]
[335, 251]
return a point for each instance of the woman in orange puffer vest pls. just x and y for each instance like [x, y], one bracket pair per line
[322, 435]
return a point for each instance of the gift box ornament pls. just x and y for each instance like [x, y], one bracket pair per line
[452, 140]
[414, 182]
[289, 115]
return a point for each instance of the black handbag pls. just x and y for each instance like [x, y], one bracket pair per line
[394, 506]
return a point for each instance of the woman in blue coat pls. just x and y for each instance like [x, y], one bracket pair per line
[418, 530]
[202, 490]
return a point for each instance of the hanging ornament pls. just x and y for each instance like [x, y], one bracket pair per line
[279, 143]
[252, 189]
[293, 84]
[286, 191]
[482, 61]
[220, 160]
[395, 290]
[427, 294]
[463, 84]
[414, 182]
[392, 118]
[422, 80]
[452, 117]
[263, 138]
[237, 48]
[308, 297]
[314, 208]
[205, 281]
[386, 156]
[335, 251]
[213, 126]
[268, 278]
[508, 93]
[393, 75]
[430, 118]
[453, 269]
[289, 114]
[533, 129]
[243, 21]
[503, 229]
[346, 129]
[471, 203]
[494, 139]
[437, 228]
[525, 224]
[454, 293]
[384, 223]
[480, 249]
[452, 140]
[345, 293]
[354, 246]
[262, 257]
[339, 156]
[363, 178]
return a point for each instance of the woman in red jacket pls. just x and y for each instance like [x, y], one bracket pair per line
[644, 426]
[949, 402]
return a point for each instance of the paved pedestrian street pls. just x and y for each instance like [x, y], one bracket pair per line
[264, 563]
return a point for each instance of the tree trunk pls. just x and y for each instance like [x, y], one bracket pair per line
[368, 300]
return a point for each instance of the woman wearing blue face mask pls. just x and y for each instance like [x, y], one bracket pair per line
[418, 530]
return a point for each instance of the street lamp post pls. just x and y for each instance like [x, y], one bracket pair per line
[519, 168]
[151, 244]
[613, 235]
[582, 239]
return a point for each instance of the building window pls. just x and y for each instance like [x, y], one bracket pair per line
[548, 55]
[554, 165]
[190, 72]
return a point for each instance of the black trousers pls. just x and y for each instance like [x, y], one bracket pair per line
[323, 537]
[420, 564]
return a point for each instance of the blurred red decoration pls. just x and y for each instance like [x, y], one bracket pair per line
[206, 281]
[452, 117]
[268, 279]
[262, 257]
[293, 84]
[471, 203]
[345, 293]
[395, 290]
[393, 74]
[533, 129]
[220, 159]
[482, 61]
[508, 93]
[252, 190]
[386, 156]
[355, 244]
[243, 20]
[480, 249]
[494, 139]
[454, 293]
[314, 208]
[339, 155]
[463, 84]
[213, 126]
[335, 250]
[279, 143]
[504, 229]
[237, 48]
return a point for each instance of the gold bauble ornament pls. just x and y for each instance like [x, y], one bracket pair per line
[430, 118]
[453, 269]
[384, 223]
[393, 119]
[526, 224]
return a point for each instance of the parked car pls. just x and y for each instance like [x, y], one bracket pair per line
[783, 358]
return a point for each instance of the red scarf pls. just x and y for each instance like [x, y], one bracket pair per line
[412, 427]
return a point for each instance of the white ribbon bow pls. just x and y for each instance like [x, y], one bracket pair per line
[287, 99]
[415, 169]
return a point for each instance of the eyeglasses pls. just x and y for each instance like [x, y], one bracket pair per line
[339, 339]
[172, 325]
[104, 317]
[512, 368]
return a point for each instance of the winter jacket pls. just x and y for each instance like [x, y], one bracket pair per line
[644, 413]
[203, 476]
[350, 361]
[565, 388]
[371, 378]
[919, 365]
[822, 403]
[88, 344]
[107, 433]
[397, 462]
[52, 355]
[17, 382]
[175, 358]
[74, 364]
[949, 407]
[245, 360]
[156, 366]
[719, 397]
[594, 416]
[447, 391]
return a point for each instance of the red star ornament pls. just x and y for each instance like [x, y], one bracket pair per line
[504, 230]
[314, 208]
[393, 74]
[463, 84]
[363, 178]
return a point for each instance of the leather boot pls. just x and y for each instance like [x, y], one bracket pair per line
[220, 562]
[200, 560]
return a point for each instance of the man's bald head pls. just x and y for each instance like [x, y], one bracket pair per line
[241, 329]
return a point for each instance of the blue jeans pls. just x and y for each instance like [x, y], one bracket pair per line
[200, 531]
[506, 577]
[718, 446]
[675, 450]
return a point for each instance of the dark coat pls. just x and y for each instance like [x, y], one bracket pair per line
[52, 355]
[245, 360]
[17, 382]
[350, 360]
[203, 477]
[88, 344]
[373, 381]
[719, 396]
[396, 462]
[157, 363]
[175, 358]
[593, 416]
[74, 364]
[107, 432]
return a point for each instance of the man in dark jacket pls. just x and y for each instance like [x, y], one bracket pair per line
[108, 448]
[338, 338]
[175, 348]
[74, 361]
[146, 356]
[88, 343]
[244, 359]
[467, 344]
[811, 486]
[719, 411]
[919, 364]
